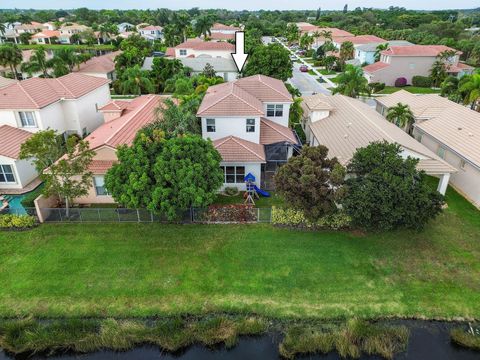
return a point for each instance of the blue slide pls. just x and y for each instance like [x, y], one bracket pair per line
[260, 191]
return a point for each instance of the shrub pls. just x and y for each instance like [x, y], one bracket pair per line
[422, 81]
[228, 213]
[376, 86]
[296, 218]
[401, 82]
[309, 53]
[10, 221]
[28, 200]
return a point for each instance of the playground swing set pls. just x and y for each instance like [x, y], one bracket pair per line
[253, 191]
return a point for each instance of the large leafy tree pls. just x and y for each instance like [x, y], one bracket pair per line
[135, 81]
[310, 182]
[272, 60]
[402, 116]
[164, 69]
[165, 175]
[352, 82]
[386, 191]
[44, 147]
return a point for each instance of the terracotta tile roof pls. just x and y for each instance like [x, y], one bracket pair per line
[198, 44]
[459, 67]
[335, 31]
[103, 64]
[115, 105]
[12, 139]
[152, 27]
[6, 81]
[272, 132]
[265, 88]
[233, 149]
[305, 26]
[221, 36]
[170, 52]
[375, 67]
[358, 40]
[417, 50]
[218, 26]
[36, 93]
[353, 124]
[46, 34]
[100, 166]
[315, 103]
[120, 131]
[230, 100]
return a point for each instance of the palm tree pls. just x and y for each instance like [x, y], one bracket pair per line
[11, 55]
[346, 51]
[203, 25]
[135, 81]
[471, 87]
[450, 89]
[327, 34]
[37, 63]
[306, 41]
[438, 73]
[3, 28]
[402, 116]
[379, 49]
[352, 82]
[68, 57]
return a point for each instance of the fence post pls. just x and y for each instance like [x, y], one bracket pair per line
[258, 215]
[99, 218]
[60, 212]
[118, 214]
[80, 215]
[151, 216]
[138, 216]
[192, 214]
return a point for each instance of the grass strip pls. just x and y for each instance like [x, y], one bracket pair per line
[465, 339]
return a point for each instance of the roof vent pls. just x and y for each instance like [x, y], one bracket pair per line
[459, 128]
[470, 134]
[345, 136]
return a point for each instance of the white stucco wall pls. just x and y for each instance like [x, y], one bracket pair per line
[232, 126]
[254, 168]
[283, 120]
[24, 172]
[213, 53]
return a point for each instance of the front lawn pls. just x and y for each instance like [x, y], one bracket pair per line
[412, 89]
[129, 270]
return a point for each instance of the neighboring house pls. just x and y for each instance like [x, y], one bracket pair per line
[46, 37]
[126, 34]
[221, 32]
[6, 81]
[122, 120]
[365, 53]
[26, 54]
[49, 26]
[68, 104]
[151, 32]
[450, 130]
[197, 47]
[100, 66]
[357, 40]
[124, 27]
[67, 31]
[9, 32]
[247, 120]
[409, 61]
[307, 28]
[225, 68]
[15, 174]
[344, 124]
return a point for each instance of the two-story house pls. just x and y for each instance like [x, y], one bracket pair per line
[450, 130]
[151, 32]
[356, 40]
[67, 31]
[221, 32]
[194, 48]
[68, 104]
[409, 61]
[365, 53]
[46, 37]
[247, 120]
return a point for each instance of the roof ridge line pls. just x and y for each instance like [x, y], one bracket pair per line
[260, 77]
[216, 102]
[26, 93]
[234, 138]
[62, 85]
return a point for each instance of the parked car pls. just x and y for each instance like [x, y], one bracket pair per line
[301, 52]
[304, 68]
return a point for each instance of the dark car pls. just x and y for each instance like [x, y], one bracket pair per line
[304, 68]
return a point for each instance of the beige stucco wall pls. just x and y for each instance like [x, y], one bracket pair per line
[23, 170]
[466, 180]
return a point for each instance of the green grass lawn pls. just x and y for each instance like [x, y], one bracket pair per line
[128, 270]
[412, 89]
[327, 72]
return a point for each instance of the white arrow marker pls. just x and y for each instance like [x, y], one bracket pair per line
[239, 55]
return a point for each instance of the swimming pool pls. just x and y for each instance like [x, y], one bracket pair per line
[15, 204]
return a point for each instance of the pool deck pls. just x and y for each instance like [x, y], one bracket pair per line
[31, 186]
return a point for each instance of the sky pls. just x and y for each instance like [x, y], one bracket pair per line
[237, 5]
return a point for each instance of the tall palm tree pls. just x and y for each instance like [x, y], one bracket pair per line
[306, 41]
[472, 90]
[450, 89]
[11, 56]
[135, 81]
[402, 116]
[379, 49]
[327, 34]
[351, 82]
[347, 51]
[37, 63]
[68, 57]
[438, 73]
[203, 25]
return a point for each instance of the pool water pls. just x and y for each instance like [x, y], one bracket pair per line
[15, 204]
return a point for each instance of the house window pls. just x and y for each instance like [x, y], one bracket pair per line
[233, 174]
[210, 125]
[250, 125]
[441, 152]
[27, 119]
[6, 174]
[152, 32]
[275, 110]
[183, 52]
[99, 183]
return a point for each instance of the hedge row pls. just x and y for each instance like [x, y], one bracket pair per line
[296, 219]
[10, 221]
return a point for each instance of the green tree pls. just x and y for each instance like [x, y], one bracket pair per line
[11, 56]
[38, 63]
[176, 119]
[209, 71]
[379, 49]
[296, 112]
[135, 81]
[203, 24]
[387, 192]
[471, 88]
[351, 82]
[67, 176]
[292, 33]
[438, 73]
[272, 60]
[164, 69]
[346, 51]
[310, 182]
[450, 89]
[25, 38]
[306, 41]
[402, 116]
